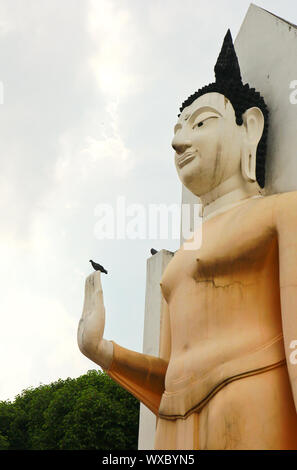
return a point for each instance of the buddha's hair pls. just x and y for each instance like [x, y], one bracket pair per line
[242, 97]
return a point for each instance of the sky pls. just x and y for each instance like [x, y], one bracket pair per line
[91, 92]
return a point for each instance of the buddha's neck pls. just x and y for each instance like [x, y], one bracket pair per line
[228, 194]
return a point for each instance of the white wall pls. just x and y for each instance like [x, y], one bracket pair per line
[266, 47]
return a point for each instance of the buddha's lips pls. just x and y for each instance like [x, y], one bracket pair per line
[184, 159]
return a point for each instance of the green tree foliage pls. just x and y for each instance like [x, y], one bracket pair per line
[90, 412]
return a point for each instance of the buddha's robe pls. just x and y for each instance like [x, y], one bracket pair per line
[224, 379]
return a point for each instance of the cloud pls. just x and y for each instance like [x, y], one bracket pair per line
[113, 30]
[40, 338]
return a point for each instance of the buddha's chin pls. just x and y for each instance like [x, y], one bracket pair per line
[191, 178]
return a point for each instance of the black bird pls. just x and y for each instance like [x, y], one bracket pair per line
[153, 251]
[98, 267]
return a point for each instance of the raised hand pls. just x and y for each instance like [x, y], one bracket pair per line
[91, 326]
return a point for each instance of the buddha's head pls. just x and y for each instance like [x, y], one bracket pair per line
[222, 130]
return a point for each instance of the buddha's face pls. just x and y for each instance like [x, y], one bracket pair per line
[208, 143]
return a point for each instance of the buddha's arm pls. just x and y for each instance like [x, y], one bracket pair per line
[286, 223]
[141, 374]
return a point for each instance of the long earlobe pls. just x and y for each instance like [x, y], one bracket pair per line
[248, 164]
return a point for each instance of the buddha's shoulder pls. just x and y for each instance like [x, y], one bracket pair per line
[283, 207]
[282, 201]
[269, 211]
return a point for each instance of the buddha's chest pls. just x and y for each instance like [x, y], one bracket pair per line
[237, 246]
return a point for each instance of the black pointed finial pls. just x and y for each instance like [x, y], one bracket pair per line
[227, 66]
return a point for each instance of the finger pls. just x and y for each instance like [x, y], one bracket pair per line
[89, 287]
[97, 281]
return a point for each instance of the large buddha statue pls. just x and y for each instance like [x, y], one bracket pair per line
[225, 378]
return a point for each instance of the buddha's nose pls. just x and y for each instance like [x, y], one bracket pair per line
[180, 145]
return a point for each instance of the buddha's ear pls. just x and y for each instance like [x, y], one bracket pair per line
[253, 121]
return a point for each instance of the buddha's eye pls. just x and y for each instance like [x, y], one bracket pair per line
[199, 124]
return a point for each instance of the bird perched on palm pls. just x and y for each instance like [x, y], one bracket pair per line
[97, 266]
